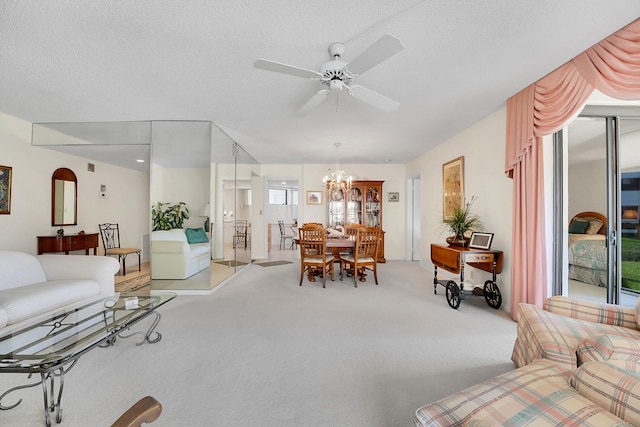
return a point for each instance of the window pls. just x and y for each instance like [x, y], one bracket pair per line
[277, 196]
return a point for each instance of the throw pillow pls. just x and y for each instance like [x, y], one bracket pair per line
[611, 388]
[196, 235]
[578, 226]
[594, 226]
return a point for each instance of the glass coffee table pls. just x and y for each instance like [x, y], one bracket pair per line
[52, 346]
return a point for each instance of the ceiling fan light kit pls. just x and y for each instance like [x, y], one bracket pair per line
[338, 75]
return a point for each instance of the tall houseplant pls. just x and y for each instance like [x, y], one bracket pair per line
[168, 216]
[461, 221]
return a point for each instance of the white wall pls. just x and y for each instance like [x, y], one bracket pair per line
[127, 201]
[588, 187]
[189, 185]
[483, 148]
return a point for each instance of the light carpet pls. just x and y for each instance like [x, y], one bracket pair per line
[264, 351]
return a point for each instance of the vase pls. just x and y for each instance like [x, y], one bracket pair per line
[457, 241]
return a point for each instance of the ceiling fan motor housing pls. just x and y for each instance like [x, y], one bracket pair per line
[335, 75]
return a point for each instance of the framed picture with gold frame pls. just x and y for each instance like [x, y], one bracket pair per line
[5, 190]
[314, 197]
[452, 186]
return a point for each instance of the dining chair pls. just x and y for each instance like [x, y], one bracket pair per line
[144, 411]
[284, 235]
[365, 255]
[351, 231]
[111, 241]
[313, 254]
[240, 234]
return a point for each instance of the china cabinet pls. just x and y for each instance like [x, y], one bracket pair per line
[361, 205]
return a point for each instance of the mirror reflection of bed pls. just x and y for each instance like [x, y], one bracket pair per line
[587, 253]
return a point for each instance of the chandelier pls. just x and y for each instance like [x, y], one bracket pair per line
[336, 180]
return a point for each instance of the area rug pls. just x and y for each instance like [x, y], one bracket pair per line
[135, 283]
[272, 263]
[231, 263]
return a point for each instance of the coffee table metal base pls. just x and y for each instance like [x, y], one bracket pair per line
[52, 376]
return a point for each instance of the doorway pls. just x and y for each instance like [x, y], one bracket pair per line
[282, 206]
[603, 174]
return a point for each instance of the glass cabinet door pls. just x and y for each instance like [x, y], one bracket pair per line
[372, 215]
[336, 208]
[354, 207]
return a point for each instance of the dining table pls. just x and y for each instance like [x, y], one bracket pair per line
[335, 245]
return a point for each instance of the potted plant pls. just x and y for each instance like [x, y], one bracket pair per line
[462, 221]
[166, 216]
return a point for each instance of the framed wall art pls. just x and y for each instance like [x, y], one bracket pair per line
[5, 190]
[452, 186]
[481, 240]
[314, 197]
[394, 197]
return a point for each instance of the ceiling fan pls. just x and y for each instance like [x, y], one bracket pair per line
[337, 75]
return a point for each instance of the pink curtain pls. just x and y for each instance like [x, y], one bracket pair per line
[611, 66]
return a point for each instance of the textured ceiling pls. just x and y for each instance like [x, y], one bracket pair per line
[97, 60]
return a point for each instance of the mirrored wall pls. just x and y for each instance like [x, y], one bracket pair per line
[191, 164]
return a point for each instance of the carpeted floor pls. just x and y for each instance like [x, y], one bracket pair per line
[264, 351]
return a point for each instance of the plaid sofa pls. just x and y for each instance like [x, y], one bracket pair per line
[557, 331]
[542, 394]
[577, 365]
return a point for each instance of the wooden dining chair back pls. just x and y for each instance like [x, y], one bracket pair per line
[111, 242]
[313, 254]
[352, 229]
[365, 255]
[312, 224]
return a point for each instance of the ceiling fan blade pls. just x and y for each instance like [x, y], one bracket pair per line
[315, 100]
[373, 98]
[384, 48]
[278, 67]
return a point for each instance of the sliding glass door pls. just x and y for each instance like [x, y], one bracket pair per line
[603, 173]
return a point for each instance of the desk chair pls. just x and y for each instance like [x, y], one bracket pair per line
[111, 241]
[284, 235]
[365, 255]
[145, 410]
[313, 253]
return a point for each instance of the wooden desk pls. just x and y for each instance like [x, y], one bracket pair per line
[68, 242]
[454, 258]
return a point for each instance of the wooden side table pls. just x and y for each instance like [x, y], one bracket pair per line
[68, 242]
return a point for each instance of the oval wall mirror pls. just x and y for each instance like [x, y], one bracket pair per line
[64, 197]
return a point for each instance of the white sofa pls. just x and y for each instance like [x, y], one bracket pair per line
[33, 286]
[172, 257]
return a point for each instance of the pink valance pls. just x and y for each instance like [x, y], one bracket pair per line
[611, 66]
